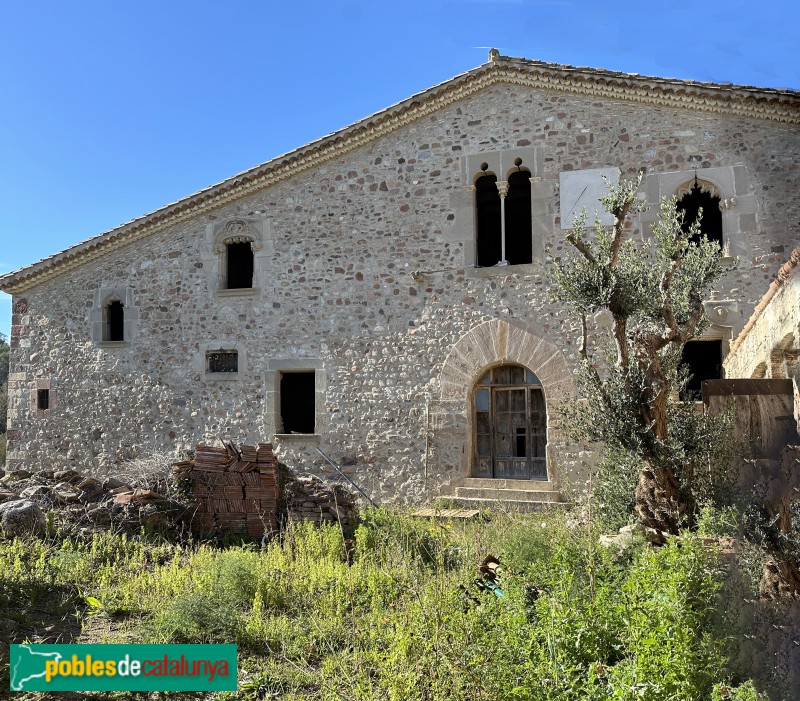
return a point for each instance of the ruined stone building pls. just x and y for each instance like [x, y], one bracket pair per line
[382, 294]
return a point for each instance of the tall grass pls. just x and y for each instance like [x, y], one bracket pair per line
[396, 613]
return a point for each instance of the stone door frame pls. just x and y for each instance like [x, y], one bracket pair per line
[490, 344]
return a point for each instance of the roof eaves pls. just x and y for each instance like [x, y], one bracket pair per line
[27, 276]
[741, 100]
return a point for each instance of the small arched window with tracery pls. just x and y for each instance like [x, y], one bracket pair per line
[701, 196]
[510, 425]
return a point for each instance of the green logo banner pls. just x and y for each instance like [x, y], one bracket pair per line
[123, 667]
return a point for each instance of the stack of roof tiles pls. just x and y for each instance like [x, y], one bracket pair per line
[236, 489]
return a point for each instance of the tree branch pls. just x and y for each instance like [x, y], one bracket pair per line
[583, 353]
[579, 244]
[621, 339]
[619, 231]
[582, 350]
[690, 326]
[667, 311]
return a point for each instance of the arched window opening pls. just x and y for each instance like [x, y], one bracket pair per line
[519, 249]
[115, 321]
[510, 425]
[711, 223]
[239, 265]
[487, 204]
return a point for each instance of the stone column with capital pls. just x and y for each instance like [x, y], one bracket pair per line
[502, 188]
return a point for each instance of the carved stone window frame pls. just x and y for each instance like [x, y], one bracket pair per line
[463, 227]
[731, 184]
[103, 297]
[254, 229]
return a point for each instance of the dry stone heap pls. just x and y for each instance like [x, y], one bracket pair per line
[308, 498]
[83, 504]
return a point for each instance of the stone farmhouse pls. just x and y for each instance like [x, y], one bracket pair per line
[382, 294]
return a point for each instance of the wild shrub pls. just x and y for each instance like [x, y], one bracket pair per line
[386, 536]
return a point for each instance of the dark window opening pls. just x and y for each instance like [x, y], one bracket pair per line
[43, 399]
[522, 439]
[711, 222]
[487, 204]
[298, 402]
[223, 361]
[115, 321]
[519, 249]
[239, 265]
[704, 362]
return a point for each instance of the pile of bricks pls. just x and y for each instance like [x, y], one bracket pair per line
[236, 489]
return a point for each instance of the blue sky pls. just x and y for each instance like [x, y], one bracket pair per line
[109, 110]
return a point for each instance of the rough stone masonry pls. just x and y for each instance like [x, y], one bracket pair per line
[363, 251]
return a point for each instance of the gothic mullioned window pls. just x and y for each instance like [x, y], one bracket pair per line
[510, 425]
[503, 218]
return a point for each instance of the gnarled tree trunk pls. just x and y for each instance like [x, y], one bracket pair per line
[658, 499]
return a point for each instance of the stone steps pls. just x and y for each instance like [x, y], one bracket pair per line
[505, 505]
[487, 483]
[508, 494]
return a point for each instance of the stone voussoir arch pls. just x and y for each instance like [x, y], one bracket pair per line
[496, 342]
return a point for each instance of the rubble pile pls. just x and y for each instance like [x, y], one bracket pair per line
[224, 489]
[236, 489]
[308, 498]
[89, 504]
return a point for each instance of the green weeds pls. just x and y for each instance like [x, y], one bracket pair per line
[396, 615]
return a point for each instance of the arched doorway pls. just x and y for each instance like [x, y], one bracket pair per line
[510, 419]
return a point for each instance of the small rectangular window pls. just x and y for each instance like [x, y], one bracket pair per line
[704, 362]
[43, 399]
[298, 402]
[222, 361]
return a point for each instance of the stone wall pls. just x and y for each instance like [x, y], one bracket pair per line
[769, 345]
[364, 275]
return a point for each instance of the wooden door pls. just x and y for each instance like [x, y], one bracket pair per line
[510, 425]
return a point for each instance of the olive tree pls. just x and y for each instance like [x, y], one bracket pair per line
[651, 289]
